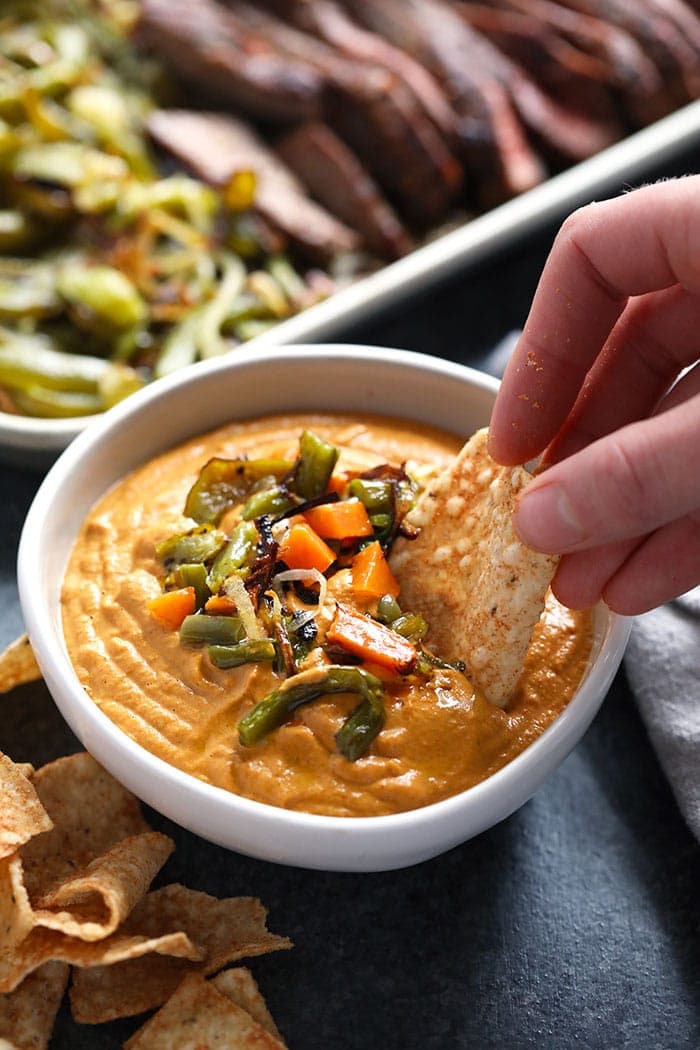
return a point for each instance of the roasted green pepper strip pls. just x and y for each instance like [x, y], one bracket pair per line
[118, 382]
[379, 499]
[201, 629]
[411, 626]
[192, 575]
[376, 495]
[287, 277]
[314, 467]
[388, 609]
[66, 164]
[359, 730]
[238, 552]
[200, 544]
[45, 403]
[210, 342]
[222, 483]
[270, 501]
[29, 360]
[252, 328]
[275, 708]
[179, 347]
[250, 651]
[102, 295]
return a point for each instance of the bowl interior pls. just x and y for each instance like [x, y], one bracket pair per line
[332, 378]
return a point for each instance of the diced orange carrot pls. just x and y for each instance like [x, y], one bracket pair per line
[171, 608]
[371, 575]
[302, 548]
[346, 519]
[370, 640]
[221, 605]
[337, 483]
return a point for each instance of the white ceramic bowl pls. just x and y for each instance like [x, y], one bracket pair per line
[248, 384]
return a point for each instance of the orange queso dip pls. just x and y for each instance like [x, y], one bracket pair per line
[146, 633]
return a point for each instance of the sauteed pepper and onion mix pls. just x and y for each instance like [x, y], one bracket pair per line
[300, 580]
[112, 272]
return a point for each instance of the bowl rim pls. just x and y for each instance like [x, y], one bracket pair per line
[73, 701]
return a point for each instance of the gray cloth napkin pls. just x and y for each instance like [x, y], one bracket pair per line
[662, 662]
[663, 668]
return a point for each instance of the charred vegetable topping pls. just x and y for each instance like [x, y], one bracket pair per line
[258, 594]
[237, 554]
[194, 576]
[224, 483]
[246, 652]
[314, 467]
[199, 545]
[211, 630]
[364, 724]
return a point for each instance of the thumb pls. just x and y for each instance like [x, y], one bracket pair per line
[622, 486]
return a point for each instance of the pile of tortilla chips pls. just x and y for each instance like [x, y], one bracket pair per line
[76, 863]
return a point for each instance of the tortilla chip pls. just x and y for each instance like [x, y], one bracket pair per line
[93, 903]
[91, 812]
[27, 1015]
[24, 947]
[21, 813]
[240, 986]
[481, 590]
[18, 665]
[198, 1017]
[16, 918]
[226, 930]
[43, 946]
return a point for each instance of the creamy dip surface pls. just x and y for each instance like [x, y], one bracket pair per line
[440, 737]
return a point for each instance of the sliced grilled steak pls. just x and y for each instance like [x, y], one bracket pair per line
[334, 176]
[328, 20]
[491, 137]
[566, 132]
[683, 17]
[546, 55]
[665, 44]
[380, 118]
[638, 84]
[215, 146]
[206, 46]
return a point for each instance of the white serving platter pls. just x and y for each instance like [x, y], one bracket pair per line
[35, 442]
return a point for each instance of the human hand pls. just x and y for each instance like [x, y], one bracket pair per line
[614, 322]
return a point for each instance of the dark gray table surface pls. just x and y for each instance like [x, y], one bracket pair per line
[572, 924]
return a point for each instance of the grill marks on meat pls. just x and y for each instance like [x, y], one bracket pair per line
[580, 81]
[567, 131]
[633, 78]
[490, 135]
[215, 146]
[659, 35]
[378, 116]
[329, 21]
[227, 62]
[335, 177]
[377, 119]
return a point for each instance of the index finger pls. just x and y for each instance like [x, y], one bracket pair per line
[603, 254]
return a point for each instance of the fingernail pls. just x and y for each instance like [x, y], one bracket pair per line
[546, 520]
